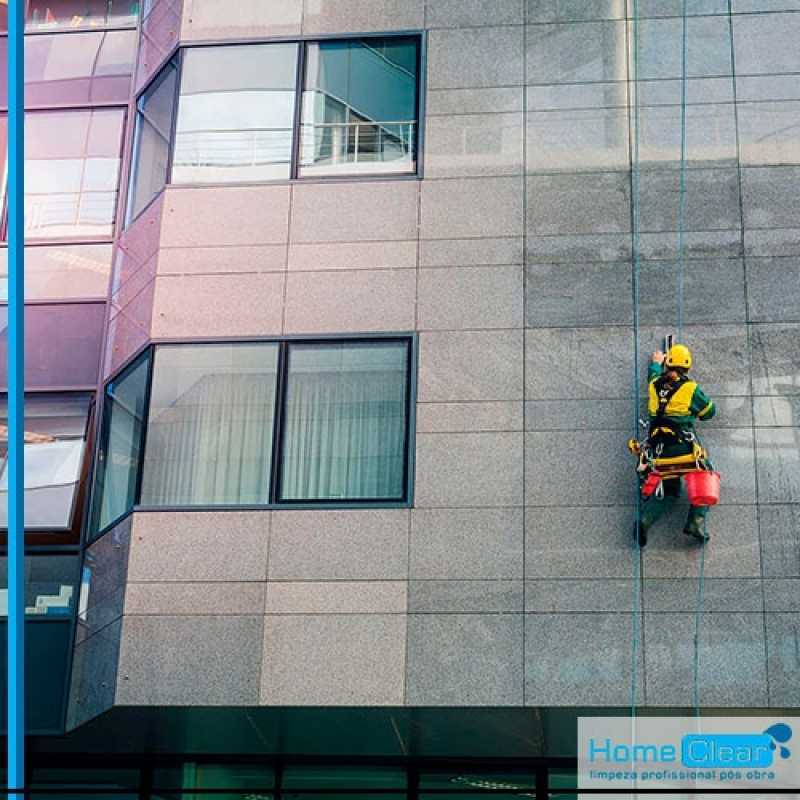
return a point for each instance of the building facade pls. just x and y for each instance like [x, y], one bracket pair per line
[338, 313]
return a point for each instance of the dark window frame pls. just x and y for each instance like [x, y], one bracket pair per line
[303, 42]
[411, 342]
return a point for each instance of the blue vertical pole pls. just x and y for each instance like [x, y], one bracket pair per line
[16, 401]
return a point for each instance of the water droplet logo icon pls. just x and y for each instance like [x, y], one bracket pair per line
[780, 733]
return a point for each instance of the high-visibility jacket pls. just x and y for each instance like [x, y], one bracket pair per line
[690, 402]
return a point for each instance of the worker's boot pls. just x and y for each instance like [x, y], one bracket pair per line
[696, 527]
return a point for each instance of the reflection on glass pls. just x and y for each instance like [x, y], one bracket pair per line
[236, 114]
[55, 441]
[345, 422]
[58, 14]
[120, 445]
[313, 777]
[239, 778]
[209, 437]
[49, 585]
[151, 143]
[360, 107]
[72, 161]
[62, 272]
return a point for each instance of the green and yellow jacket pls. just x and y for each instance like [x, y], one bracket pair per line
[690, 402]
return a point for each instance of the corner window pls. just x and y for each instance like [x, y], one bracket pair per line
[251, 113]
[265, 424]
[69, 14]
[55, 445]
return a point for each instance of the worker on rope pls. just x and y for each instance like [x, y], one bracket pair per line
[674, 402]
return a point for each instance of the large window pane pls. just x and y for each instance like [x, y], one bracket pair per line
[345, 422]
[49, 585]
[236, 114]
[57, 14]
[121, 442]
[72, 162]
[55, 443]
[360, 107]
[156, 109]
[209, 437]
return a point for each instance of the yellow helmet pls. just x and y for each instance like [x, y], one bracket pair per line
[679, 355]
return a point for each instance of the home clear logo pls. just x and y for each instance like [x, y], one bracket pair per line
[740, 750]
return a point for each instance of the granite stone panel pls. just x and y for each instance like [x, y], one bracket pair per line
[207, 19]
[221, 260]
[780, 540]
[573, 10]
[766, 43]
[782, 595]
[352, 256]
[579, 415]
[337, 597]
[681, 595]
[344, 659]
[773, 289]
[356, 16]
[465, 659]
[194, 599]
[468, 252]
[770, 198]
[783, 631]
[732, 451]
[732, 668]
[492, 100]
[469, 417]
[596, 595]
[769, 132]
[776, 412]
[465, 597]
[778, 464]
[775, 358]
[468, 13]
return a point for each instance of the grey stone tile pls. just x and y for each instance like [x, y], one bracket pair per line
[586, 658]
[769, 197]
[675, 595]
[494, 100]
[778, 464]
[469, 417]
[696, 244]
[561, 363]
[710, 134]
[466, 544]
[225, 260]
[470, 365]
[570, 248]
[673, 8]
[776, 412]
[780, 540]
[93, 681]
[732, 672]
[207, 661]
[352, 256]
[749, 6]
[580, 140]
[733, 551]
[783, 632]
[732, 451]
[776, 361]
[587, 542]
[769, 133]
[782, 595]
[199, 546]
[592, 467]
[563, 97]
[339, 545]
[712, 200]
[713, 291]
[471, 207]
[467, 13]
[206, 19]
[195, 599]
[773, 289]
[470, 252]
[699, 91]
[363, 300]
[470, 297]
[336, 212]
[217, 216]
[466, 145]
[590, 51]
[570, 204]
[337, 597]
[467, 57]
[708, 51]
[766, 43]
[469, 470]
[579, 596]
[465, 659]
[766, 87]
[346, 660]
[464, 597]
[732, 412]
[581, 415]
[573, 10]
[341, 16]
[578, 294]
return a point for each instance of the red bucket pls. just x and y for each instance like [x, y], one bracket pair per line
[703, 488]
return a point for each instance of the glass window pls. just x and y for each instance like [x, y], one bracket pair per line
[49, 585]
[55, 444]
[317, 777]
[344, 434]
[360, 107]
[239, 778]
[58, 14]
[235, 114]
[209, 436]
[120, 451]
[155, 111]
[72, 161]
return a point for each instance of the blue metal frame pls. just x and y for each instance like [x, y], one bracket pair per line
[16, 399]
